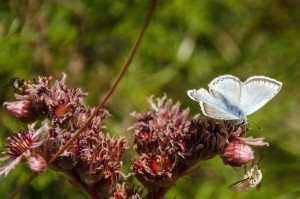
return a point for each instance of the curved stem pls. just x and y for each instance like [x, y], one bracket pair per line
[106, 97]
[22, 186]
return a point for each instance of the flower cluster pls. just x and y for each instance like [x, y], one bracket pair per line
[170, 143]
[92, 161]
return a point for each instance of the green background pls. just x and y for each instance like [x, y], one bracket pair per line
[187, 44]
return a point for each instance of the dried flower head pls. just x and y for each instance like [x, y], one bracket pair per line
[155, 130]
[62, 102]
[22, 146]
[206, 138]
[100, 158]
[156, 170]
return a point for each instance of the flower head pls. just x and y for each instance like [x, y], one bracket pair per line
[156, 130]
[155, 170]
[205, 139]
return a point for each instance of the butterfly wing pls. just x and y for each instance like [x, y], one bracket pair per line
[257, 91]
[227, 86]
[211, 106]
[241, 186]
[227, 89]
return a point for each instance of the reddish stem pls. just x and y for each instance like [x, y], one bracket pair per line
[106, 97]
[75, 180]
[160, 193]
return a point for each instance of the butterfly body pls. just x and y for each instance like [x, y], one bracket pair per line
[230, 99]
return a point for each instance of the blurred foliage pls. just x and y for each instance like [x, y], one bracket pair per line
[187, 44]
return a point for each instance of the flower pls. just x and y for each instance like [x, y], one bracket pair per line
[22, 146]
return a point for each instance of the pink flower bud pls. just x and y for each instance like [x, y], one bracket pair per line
[237, 153]
[36, 163]
[22, 110]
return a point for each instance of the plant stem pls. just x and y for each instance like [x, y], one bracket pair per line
[160, 193]
[106, 97]
[75, 180]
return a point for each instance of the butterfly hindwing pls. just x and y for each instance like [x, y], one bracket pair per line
[212, 111]
[210, 105]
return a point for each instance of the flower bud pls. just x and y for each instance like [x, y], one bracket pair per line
[237, 153]
[36, 163]
[22, 110]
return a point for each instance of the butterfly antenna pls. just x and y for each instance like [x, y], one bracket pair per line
[256, 124]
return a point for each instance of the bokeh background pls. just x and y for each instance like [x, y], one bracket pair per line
[187, 44]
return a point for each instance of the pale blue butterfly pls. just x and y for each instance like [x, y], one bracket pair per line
[230, 99]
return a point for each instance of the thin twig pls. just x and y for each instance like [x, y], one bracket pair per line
[23, 186]
[108, 94]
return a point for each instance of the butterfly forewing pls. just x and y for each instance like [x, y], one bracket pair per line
[228, 86]
[257, 91]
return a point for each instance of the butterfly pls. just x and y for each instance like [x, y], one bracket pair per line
[230, 99]
[251, 179]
